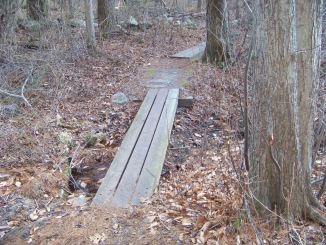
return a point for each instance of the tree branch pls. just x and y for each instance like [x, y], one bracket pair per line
[21, 96]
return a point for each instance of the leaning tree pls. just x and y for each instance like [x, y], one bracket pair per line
[286, 60]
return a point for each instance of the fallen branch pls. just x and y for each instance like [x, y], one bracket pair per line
[21, 96]
[187, 14]
[258, 234]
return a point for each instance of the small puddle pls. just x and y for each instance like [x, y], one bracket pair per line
[87, 178]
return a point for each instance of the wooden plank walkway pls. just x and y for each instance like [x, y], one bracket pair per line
[191, 53]
[136, 169]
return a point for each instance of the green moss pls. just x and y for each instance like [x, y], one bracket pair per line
[237, 222]
[90, 140]
[189, 70]
[184, 84]
[102, 139]
[221, 64]
[149, 73]
[66, 138]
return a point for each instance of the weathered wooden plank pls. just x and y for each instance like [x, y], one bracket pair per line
[186, 102]
[113, 176]
[191, 53]
[150, 175]
[130, 176]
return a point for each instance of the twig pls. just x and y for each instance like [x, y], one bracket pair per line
[245, 116]
[5, 201]
[37, 206]
[163, 223]
[248, 6]
[251, 221]
[71, 178]
[63, 188]
[22, 92]
[73, 156]
[49, 201]
[296, 238]
[59, 164]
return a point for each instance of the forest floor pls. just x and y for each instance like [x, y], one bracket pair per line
[200, 197]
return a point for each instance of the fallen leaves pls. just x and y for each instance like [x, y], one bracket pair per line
[98, 238]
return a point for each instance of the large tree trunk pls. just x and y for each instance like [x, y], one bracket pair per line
[106, 16]
[217, 29]
[283, 106]
[90, 31]
[37, 9]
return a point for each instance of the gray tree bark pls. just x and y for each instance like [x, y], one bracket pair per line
[90, 31]
[71, 9]
[283, 106]
[216, 49]
[106, 16]
[37, 9]
[199, 5]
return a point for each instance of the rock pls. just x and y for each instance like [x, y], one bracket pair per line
[133, 21]
[80, 201]
[7, 111]
[119, 98]
[32, 26]
[76, 23]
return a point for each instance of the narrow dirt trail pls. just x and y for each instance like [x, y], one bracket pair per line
[167, 73]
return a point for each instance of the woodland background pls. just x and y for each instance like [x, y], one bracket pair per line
[60, 129]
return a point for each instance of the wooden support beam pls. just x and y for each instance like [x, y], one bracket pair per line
[186, 102]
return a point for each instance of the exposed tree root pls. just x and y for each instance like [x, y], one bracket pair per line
[313, 199]
[315, 216]
[322, 188]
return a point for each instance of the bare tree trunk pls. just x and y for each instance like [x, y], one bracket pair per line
[237, 10]
[106, 16]
[7, 9]
[284, 91]
[199, 5]
[217, 28]
[71, 9]
[37, 9]
[90, 31]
